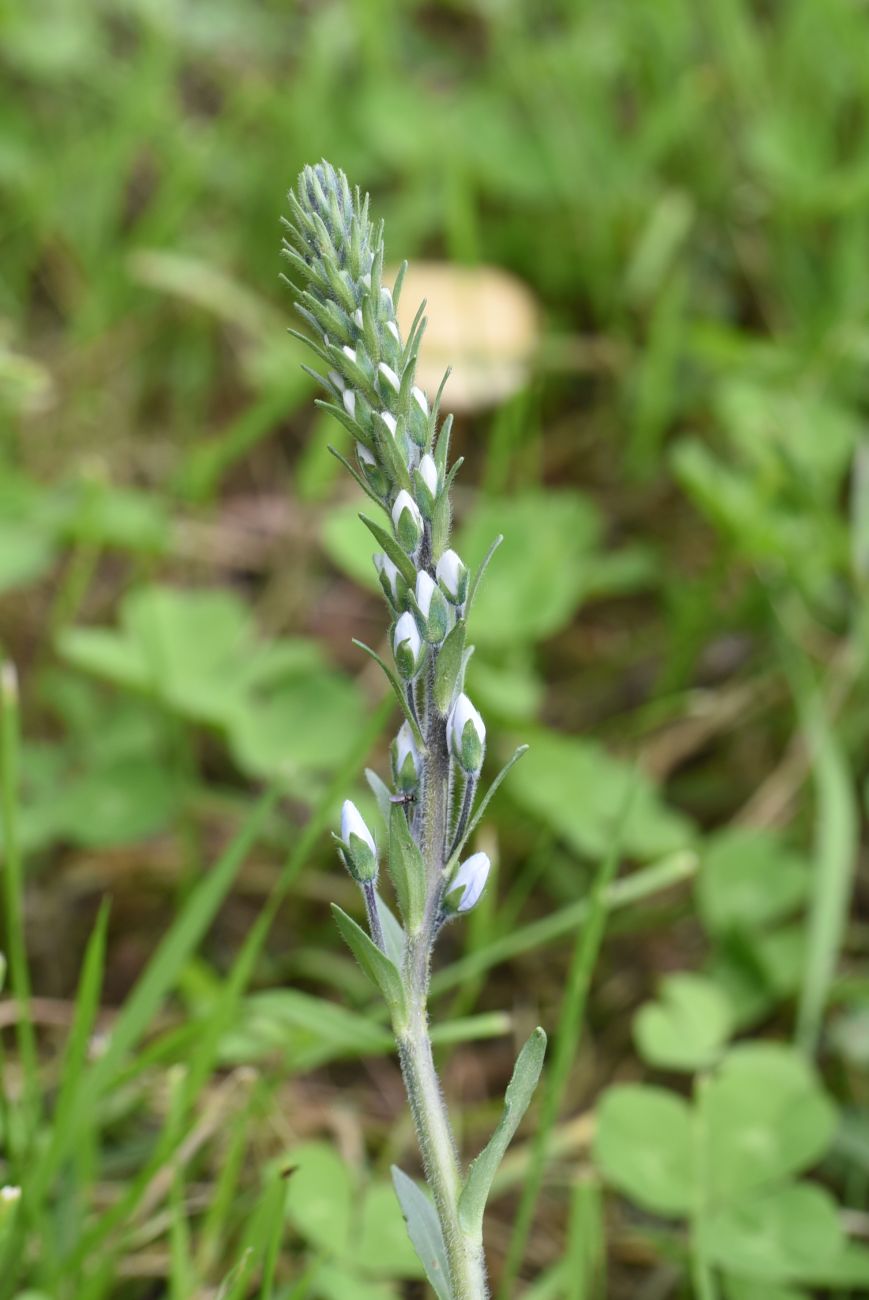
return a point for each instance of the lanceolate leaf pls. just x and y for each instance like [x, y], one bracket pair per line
[392, 549]
[424, 1230]
[449, 666]
[375, 963]
[481, 1174]
[407, 870]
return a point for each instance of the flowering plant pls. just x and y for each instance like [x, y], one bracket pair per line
[401, 448]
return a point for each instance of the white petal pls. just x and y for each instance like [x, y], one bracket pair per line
[352, 823]
[390, 422]
[420, 398]
[389, 375]
[471, 876]
[393, 329]
[349, 399]
[357, 317]
[404, 501]
[350, 353]
[407, 630]
[429, 473]
[425, 589]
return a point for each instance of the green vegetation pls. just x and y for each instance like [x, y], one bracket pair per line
[198, 1092]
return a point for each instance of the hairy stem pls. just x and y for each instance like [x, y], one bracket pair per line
[464, 1254]
[436, 1143]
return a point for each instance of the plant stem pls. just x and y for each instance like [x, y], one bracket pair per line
[464, 814]
[464, 1254]
[436, 1143]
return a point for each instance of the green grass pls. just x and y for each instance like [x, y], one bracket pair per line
[685, 191]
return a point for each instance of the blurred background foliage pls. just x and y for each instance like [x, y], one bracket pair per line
[661, 404]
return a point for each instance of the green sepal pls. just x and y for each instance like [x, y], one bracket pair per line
[449, 667]
[388, 450]
[440, 525]
[377, 966]
[442, 446]
[391, 548]
[399, 691]
[406, 869]
[520, 1090]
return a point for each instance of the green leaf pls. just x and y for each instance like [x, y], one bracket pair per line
[375, 963]
[687, 1028]
[320, 1196]
[449, 666]
[520, 1090]
[787, 1234]
[406, 870]
[382, 1246]
[644, 1145]
[765, 1117]
[397, 688]
[577, 789]
[390, 546]
[749, 879]
[424, 1230]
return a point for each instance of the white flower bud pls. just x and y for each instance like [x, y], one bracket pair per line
[9, 1194]
[428, 472]
[405, 760]
[452, 574]
[348, 397]
[359, 851]
[407, 646]
[393, 329]
[357, 317]
[425, 479]
[390, 422]
[336, 380]
[420, 398]
[425, 588]
[350, 353]
[468, 883]
[390, 376]
[467, 734]
[407, 521]
[433, 608]
[389, 577]
[386, 300]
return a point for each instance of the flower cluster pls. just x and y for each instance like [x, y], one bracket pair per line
[401, 447]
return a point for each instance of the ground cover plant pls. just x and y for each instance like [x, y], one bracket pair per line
[199, 1095]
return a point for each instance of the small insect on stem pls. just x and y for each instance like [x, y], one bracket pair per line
[403, 799]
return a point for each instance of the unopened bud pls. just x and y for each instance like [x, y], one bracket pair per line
[432, 607]
[374, 475]
[390, 376]
[467, 885]
[407, 521]
[452, 574]
[357, 846]
[407, 647]
[389, 577]
[467, 734]
[427, 485]
[405, 760]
